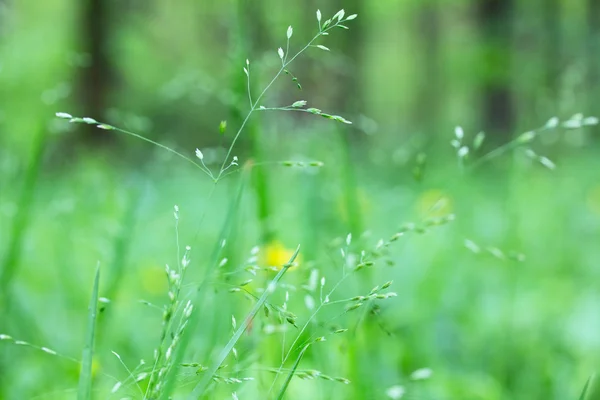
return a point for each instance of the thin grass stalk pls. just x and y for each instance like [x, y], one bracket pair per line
[121, 246]
[290, 375]
[84, 390]
[10, 263]
[353, 212]
[203, 384]
[200, 293]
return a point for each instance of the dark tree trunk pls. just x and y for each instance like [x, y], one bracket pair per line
[427, 104]
[552, 46]
[96, 77]
[349, 96]
[593, 55]
[349, 103]
[249, 35]
[495, 21]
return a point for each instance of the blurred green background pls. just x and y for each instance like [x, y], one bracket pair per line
[502, 302]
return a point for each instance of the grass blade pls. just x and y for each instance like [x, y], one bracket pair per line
[292, 372]
[225, 233]
[10, 262]
[201, 386]
[84, 391]
[591, 390]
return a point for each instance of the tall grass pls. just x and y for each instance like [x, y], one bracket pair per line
[319, 324]
[85, 376]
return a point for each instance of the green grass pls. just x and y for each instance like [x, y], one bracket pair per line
[467, 283]
[84, 391]
[474, 319]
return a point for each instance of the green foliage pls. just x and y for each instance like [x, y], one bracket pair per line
[493, 283]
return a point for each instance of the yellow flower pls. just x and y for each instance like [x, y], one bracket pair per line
[275, 254]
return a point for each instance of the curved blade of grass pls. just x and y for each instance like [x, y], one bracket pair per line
[10, 262]
[84, 391]
[224, 234]
[591, 390]
[201, 386]
[292, 372]
[121, 247]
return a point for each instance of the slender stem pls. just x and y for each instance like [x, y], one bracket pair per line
[177, 242]
[513, 144]
[495, 153]
[162, 146]
[129, 372]
[248, 80]
[285, 109]
[314, 314]
[199, 388]
[287, 49]
[261, 95]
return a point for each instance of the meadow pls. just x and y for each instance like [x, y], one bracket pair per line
[279, 250]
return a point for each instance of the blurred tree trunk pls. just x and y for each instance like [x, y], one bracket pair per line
[552, 39]
[539, 59]
[495, 22]
[314, 207]
[427, 104]
[349, 103]
[96, 78]
[351, 45]
[248, 35]
[593, 55]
